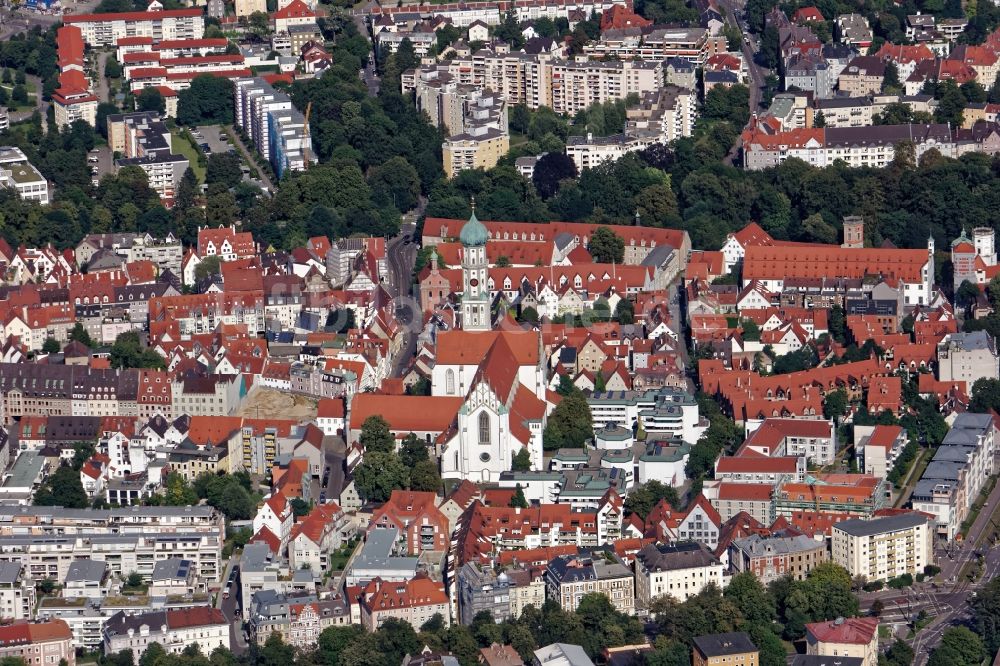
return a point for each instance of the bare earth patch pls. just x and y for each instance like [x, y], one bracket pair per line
[264, 403]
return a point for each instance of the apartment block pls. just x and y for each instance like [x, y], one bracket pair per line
[966, 357]
[17, 592]
[298, 618]
[957, 473]
[681, 570]
[503, 594]
[415, 601]
[855, 637]
[568, 578]
[145, 142]
[661, 117]
[872, 146]
[52, 557]
[38, 643]
[17, 173]
[174, 630]
[567, 86]
[156, 23]
[884, 548]
[480, 148]
[773, 557]
[734, 648]
[878, 447]
[276, 129]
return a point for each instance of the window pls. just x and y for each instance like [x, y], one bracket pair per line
[484, 428]
[449, 382]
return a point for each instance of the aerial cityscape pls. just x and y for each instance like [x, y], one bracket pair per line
[499, 333]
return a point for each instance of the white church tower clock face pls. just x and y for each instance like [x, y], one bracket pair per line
[475, 296]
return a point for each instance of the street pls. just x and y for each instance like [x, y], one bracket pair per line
[402, 253]
[757, 74]
[946, 601]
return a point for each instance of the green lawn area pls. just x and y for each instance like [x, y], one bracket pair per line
[29, 87]
[184, 147]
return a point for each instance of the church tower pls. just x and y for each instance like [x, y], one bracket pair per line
[475, 273]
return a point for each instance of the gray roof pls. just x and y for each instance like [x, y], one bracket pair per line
[9, 572]
[562, 653]
[859, 528]
[756, 544]
[377, 552]
[86, 571]
[174, 568]
[603, 565]
[681, 555]
[718, 645]
[974, 340]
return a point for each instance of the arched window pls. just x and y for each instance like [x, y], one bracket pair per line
[484, 428]
[449, 382]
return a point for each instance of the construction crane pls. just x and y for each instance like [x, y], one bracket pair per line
[305, 136]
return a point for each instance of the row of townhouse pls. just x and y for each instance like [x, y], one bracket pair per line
[78, 390]
[566, 86]
[463, 14]
[51, 557]
[156, 23]
[957, 473]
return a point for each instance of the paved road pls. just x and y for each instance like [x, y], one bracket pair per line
[103, 85]
[237, 640]
[402, 254]
[757, 73]
[249, 157]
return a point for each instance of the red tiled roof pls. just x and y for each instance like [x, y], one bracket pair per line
[198, 616]
[884, 436]
[852, 630]
[754, 492]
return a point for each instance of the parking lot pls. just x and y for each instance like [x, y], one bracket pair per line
[212, 135]
[105, 162]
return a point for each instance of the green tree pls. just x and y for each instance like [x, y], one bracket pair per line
[570, 425]
[79, 334]
[396, 183]
[178, 492]
[550, 170]
[752, 598]
[835, 404]
[959, 647]
[150, 99]
[751, 331]
[518, 500]
[376, 436]
[625, 312]
[521, 461]
[63, 489]
[425, 476]
[300, 507]
[112, 69]
[606, 246]
[986, 614]
[643, 498]
[208, 101]
[128, 352]
[378, 474]
[224, 169]
[50, 346]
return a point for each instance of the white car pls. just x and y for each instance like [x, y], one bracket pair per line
[95, 182]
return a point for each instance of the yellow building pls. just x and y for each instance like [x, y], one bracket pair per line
[732, 649]
[482, 148]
